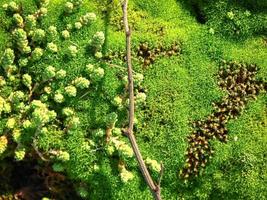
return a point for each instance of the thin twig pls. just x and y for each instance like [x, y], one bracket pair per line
[34, 144]
[161, 173]
[154, 188]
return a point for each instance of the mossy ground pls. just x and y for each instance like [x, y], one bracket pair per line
[181, 89]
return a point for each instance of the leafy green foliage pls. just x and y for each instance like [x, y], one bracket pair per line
[235, 19]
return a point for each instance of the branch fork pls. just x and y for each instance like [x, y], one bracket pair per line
[153, 186]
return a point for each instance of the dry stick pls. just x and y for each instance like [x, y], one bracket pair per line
[155, 188]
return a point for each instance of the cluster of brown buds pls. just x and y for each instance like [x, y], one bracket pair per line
[148, 55]
[239, 81]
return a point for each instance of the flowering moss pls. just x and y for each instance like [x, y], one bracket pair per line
[30, 22]
[87, 18]
[65, 34]
[27, 80]
[52, 32]
[153, 164]
[11, 6]
[125, 175]
[71, 91]
[2, 81]
[59, 98]
[37, 54]
[72, 51]
[52, 47]
[23, 62]
[3, 144]
[38, 35]
[78, 25]
[16, 135]
[62, 155]
[68, 7]
[49, 72]
[18, 19]
[81, 82]
[20, 154]
[140, 98]
[8, 57]
[98, 40]
[67, 111]
[61, 74]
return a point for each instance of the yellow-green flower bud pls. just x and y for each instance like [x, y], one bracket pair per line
[117, 101]
[125, 150]
[61, 74]
[23, 62]
[69, 27]
[116, 131]
[11, 122]
[140, 97]
[2, 81]
[67, 111]
[38, 35]
[44, 2]
[37, 54]
[65, 34]
[153, 164]
[138, 78]
[99, 133]
[26, 124]
[81, 83]
[98, 55]
[11, 6]
[49, 72]
[63, 156]
[52, 47]
[89, 68]
[17, 96]
[20, 154]
[48, 90]
[16, 134]
[126, 175]
[8, 57]
[27, 80]
[30, 22]
[72, 51]
[78, 25]
[42, 11]
[110, 149]
[18, 19]
[88, 18]
[73, 122]
[99, 72]
[3, 144]
[71, 91]
[68, 7]
[2, 104]
[37, 104]
[59, 98]
[6, 108]
[52, 32]
[230, 15]
[98, 39]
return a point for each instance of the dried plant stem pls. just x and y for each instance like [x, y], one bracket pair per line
[154, 187]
